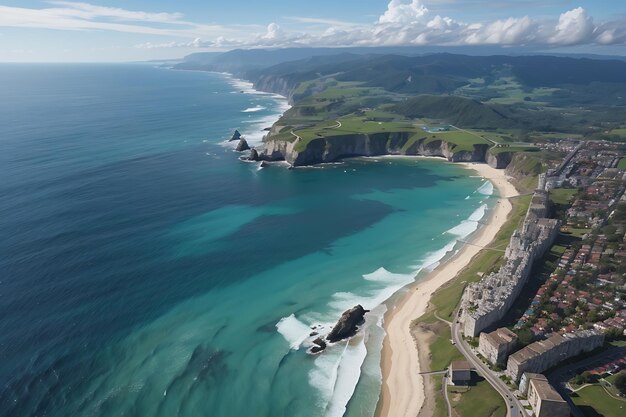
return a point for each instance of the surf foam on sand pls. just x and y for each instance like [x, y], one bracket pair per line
[338, 369]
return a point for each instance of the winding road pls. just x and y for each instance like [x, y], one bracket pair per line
[514, 406]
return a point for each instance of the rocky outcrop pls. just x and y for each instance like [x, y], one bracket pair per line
[242, 145]
[318, 345]
[499, 160]
[347, 324]
[235, 136]
[254, 155]
[334, 148]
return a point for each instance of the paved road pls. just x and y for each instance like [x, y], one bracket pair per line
[296, 136]
[514, 407]
[444, 388]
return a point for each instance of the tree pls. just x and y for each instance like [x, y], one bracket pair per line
[525, 337]
[589, 378]
[620, 383]
[613, 333]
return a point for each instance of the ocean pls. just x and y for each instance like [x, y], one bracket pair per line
[146, 271]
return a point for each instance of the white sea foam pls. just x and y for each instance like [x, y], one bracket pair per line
[324, 375]
[293, 330]
[478, 214]
[389, 283]
[469, 226]
[338, 370]
[253, 109]
[432, 259]
[486, 188]
[254, 129]
[347, 376]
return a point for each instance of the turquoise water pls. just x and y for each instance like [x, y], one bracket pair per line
[146, 271]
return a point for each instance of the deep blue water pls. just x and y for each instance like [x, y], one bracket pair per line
[146, 271]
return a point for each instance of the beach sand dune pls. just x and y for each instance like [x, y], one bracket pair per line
[403, 387]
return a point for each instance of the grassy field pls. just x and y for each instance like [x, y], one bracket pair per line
[556, 135]
[481, 400]
[619, 132]
[505, 90]
[622, 164]
[593, 401]
[345, 108]
[500, 149]
[562, 196]
[611, 384]
[442, 350]
[526, 166]
[371, 123]
[463, 140]
[578, 232]
[441, 408]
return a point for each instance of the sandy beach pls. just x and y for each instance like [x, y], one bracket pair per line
[403, 388]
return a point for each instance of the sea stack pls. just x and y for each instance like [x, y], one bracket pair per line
[347, 324]
[236, 136]
[254, 155]
[318, 346]
[242, 145]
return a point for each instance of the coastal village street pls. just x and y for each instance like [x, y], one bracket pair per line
[514, 406]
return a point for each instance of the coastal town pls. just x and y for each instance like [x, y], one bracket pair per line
[559, 297]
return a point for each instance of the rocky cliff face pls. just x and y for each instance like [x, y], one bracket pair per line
[499, 160]
[334, 148]
[276, 85]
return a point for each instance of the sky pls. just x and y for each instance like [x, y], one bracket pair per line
[137, 30]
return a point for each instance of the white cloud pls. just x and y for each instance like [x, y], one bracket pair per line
[274, 32]
[91, 11]
[574, 27]
[503, 32]
[318, 21]
[400, 12]
[404, 22]
[196, 43]
[87, 17]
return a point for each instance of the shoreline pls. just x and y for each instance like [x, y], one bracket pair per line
[402, 388]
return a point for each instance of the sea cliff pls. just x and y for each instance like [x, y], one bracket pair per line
[499, 160]
[302, 152]
[333, 148]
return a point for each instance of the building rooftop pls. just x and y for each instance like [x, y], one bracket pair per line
[531, 375]
[545, 391]
[501, 336]
[460, 366]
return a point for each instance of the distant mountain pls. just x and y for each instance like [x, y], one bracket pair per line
[527, 92]
[240, 61]
[444, 73]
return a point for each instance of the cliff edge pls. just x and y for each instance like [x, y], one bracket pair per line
[299, 152]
